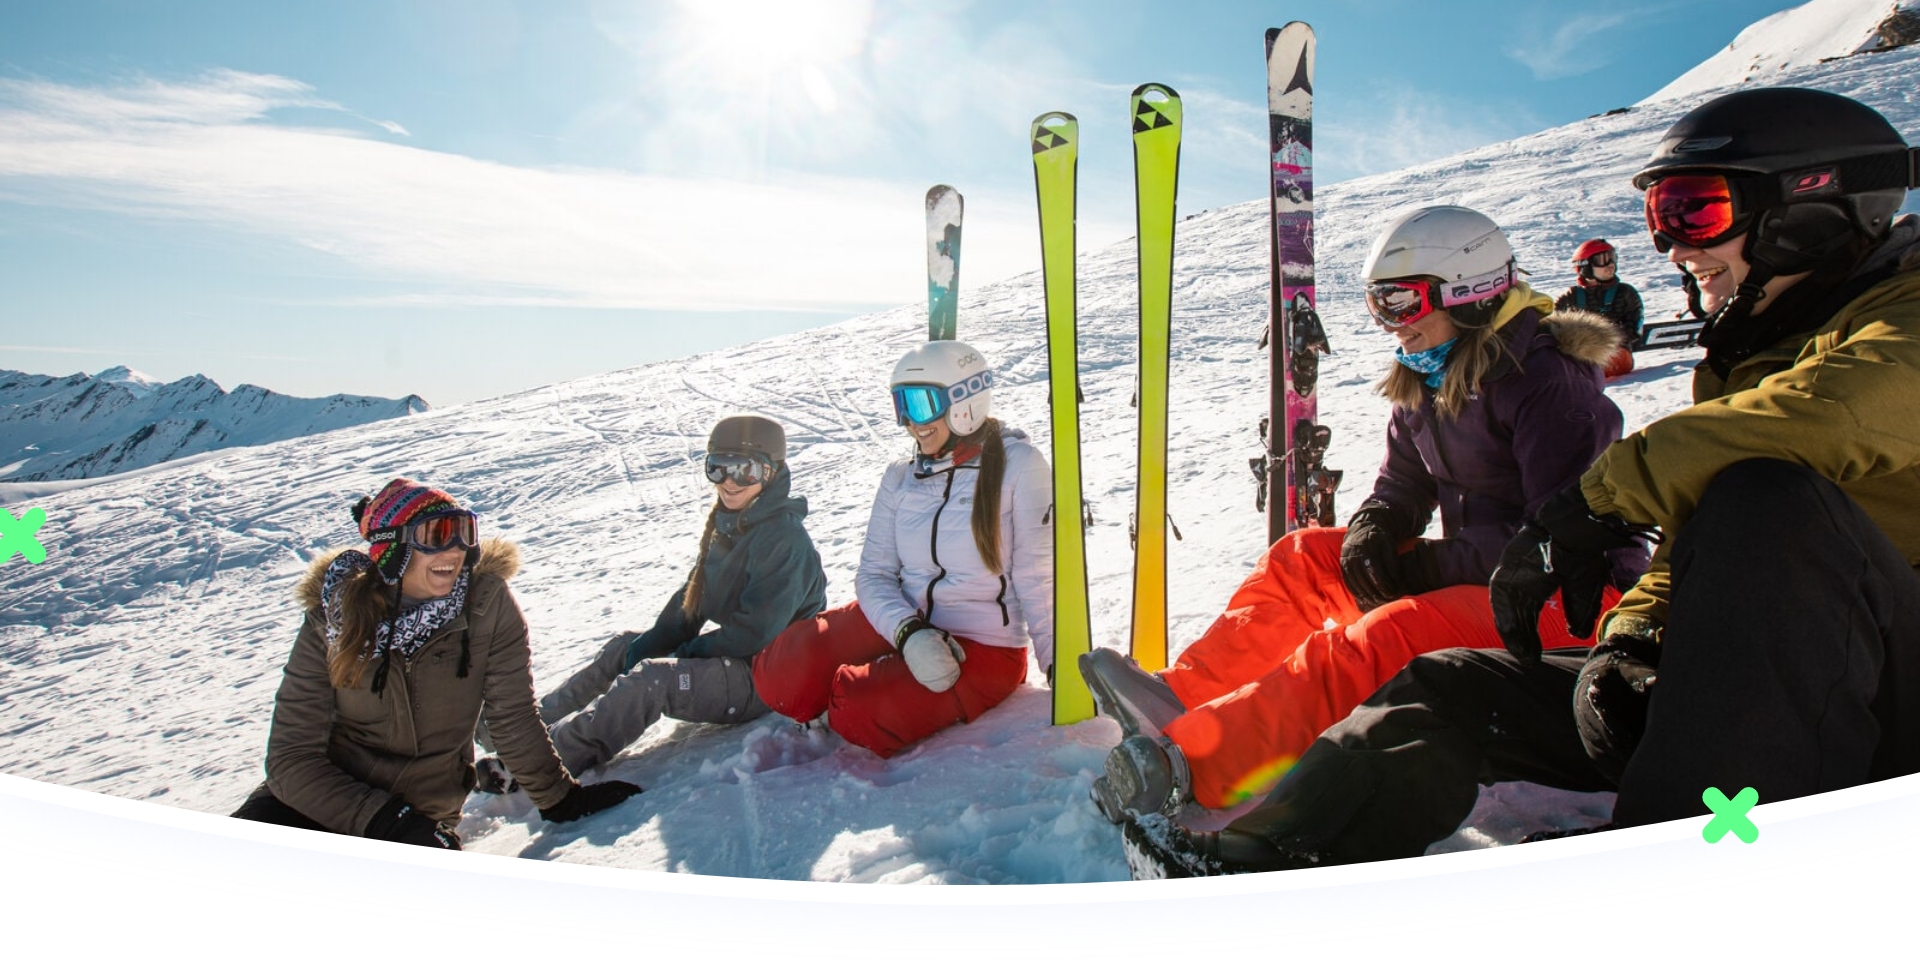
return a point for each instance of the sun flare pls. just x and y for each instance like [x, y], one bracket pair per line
[742, 44]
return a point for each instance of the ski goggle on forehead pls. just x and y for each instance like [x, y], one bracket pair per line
[435, 532]
[1395, 303]
[742, 469]
[918, 405]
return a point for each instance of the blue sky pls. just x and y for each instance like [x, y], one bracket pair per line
[464, 199]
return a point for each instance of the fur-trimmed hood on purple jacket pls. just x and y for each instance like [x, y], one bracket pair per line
[1540, 419]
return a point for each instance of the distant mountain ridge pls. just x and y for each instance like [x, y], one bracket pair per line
[81, 426]
[1802, 36]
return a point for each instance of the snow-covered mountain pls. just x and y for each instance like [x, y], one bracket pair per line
[80, 426]
[141, 659]
[1804, 36]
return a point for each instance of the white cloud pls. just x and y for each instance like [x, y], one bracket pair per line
[205, 152]
[1570, 48]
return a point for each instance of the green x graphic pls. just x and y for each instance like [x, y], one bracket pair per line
[16, 535]
[1730, 816]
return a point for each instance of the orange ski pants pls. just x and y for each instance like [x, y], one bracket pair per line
[1271, 674]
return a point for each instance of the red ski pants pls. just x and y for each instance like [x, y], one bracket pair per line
[837, 663]
[1269, 675]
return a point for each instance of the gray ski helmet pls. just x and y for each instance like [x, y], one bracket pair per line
[1811, 171]
[755, 436]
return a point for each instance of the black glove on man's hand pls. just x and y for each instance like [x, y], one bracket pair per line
[1611, 697]
[1564, 548]
[396, 821]
[585, 800]
[1370, 555]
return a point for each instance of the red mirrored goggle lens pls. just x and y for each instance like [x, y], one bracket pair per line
[742, 470]
[1696, 210]
[435, 534]
[1397, 303]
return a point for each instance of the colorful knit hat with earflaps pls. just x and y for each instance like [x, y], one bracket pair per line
[388, 512]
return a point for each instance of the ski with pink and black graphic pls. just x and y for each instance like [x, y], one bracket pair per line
[1296, 488]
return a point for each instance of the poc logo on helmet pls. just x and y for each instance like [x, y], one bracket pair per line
[977, 383]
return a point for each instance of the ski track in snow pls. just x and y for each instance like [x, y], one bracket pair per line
[141, 660]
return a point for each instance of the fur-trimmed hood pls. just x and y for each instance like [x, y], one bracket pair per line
[498, 558]
[1584, 335]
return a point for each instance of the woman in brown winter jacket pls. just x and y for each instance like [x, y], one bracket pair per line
[405, 646]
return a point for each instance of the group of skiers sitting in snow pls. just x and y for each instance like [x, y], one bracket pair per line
[1753, 556]
[955, 580]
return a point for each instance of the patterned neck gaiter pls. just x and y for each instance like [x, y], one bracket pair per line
[1431, 363]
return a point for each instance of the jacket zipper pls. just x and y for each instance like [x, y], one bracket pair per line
[933, 543]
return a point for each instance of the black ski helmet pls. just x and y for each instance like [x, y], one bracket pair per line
[755, 436]
[1812, 171]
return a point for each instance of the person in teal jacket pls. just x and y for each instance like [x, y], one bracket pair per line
[758, 573]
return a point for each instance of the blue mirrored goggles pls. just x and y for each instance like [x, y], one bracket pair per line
[918, 405]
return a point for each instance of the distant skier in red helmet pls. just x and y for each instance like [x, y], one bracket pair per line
[1600, 290]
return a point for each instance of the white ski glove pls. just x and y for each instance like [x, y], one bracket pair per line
[934, 658]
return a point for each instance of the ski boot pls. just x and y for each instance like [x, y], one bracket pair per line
[1159, 848]
[1142, 703]
[1143, 775]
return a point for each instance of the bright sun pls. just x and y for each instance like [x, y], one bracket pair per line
[743, 44]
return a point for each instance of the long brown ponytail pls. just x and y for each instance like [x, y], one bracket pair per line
[986, 494]
[365, 602]
[697, 582]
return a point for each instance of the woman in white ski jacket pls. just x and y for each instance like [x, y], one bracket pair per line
[955, 578]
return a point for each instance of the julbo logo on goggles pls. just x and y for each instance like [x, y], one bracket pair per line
[920, 405]
[1403, 301]
[743, 470]
[432, 534]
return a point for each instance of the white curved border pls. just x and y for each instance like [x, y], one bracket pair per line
[1830, 876]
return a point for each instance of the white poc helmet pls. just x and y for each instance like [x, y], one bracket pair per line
[1461, 247]
[959, 373]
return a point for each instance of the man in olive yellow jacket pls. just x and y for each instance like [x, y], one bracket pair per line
[1774, 643]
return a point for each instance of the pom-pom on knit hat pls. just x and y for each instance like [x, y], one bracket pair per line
[388, 512]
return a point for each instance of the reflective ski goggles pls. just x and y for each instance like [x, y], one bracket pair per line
[1596, 260]
[742, 469]
[434, 532]
[1696, 210]
[918, 405]
[1399, 302]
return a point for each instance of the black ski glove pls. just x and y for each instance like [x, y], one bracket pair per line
[396, 821]
[585, 800]
[1370, 555]
[1610, 700]
[1563, 548]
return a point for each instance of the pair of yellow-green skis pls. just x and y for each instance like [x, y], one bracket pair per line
[1156, 158]
[1156, 148]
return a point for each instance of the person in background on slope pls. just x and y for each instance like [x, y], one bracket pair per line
[756, 572]
[1599, 289]
[1497, 405]
[1774, 643]
[404, 648]
[956, 574]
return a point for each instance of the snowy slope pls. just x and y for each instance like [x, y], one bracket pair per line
[141, 659]
[79, 426]
[1800, 37]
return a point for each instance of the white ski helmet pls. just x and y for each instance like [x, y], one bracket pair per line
[961, 382]
[1461, 247]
